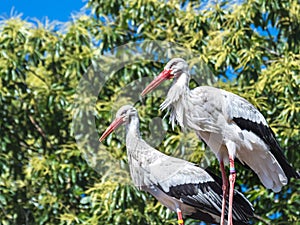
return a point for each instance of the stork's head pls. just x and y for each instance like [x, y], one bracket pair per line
[123, 116]
[174, 68]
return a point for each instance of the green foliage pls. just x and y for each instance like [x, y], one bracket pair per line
[45, 178]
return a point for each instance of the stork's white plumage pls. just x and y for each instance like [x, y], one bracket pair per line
[230, 125]
[179, 185]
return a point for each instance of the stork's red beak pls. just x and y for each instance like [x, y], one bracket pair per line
[164, 75]
[114, 125]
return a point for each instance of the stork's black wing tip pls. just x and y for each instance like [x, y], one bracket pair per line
[202, 216]
[267, 135]
[243, 203]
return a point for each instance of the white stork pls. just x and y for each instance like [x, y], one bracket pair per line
[230, 125]
[179, 185]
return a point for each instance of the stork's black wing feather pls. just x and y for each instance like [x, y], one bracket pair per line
[205, 217]
[238, 197]
[208, 196]
[268, 136]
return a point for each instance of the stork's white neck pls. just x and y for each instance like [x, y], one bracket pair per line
[133, 139]
[138, 152]
[179, 88]
[175, 101]
[133, 127]
[182, 81]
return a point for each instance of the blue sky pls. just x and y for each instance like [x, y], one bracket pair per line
[60, 10]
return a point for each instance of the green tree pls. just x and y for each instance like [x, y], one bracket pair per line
[45, 178]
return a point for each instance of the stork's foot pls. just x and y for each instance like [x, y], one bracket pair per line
[179, 216]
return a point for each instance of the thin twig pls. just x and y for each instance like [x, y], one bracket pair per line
[38, 76]
[272, 52]
[39, 129]
[261, 219]
[271, 38]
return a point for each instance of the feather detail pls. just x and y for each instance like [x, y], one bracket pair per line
[238, 107]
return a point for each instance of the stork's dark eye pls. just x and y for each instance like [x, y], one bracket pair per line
[123, 113]
[173, 64]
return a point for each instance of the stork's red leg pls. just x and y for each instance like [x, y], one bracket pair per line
[179, 215]
[231, 188]
[224, 188]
